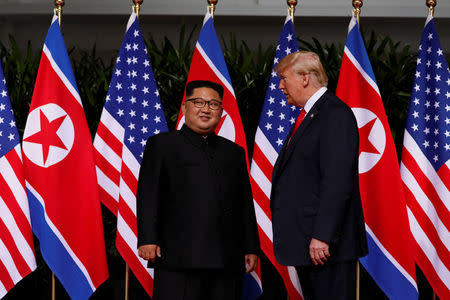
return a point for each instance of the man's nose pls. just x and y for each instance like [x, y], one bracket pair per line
[206, 107]
[281, 85]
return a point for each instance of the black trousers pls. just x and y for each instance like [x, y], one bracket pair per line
[330, 281]
[197, 285]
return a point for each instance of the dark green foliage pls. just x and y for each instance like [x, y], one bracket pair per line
[20, 73]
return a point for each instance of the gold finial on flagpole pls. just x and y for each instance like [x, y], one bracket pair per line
[58, 10]
[431, 4]
[357, 4]
[137, 6]
[291, 4]
[212, 6]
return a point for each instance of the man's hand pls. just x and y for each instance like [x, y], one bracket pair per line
[251, 260]
[318, 251]
[149, 252]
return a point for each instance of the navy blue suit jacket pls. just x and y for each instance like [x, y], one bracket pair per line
[315, 189]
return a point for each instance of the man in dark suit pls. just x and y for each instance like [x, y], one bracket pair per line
[196, 219]
[318, 223]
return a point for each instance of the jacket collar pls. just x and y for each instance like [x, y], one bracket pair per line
[197, 139]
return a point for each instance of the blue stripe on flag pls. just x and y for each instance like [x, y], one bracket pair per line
[209, 42]
[56, 256]
[252, 289]
[55, 43]
[386, 275]
[356, 46]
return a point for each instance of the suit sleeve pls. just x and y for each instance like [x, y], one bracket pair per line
[251, 237]
[339, 142]
[148, 194]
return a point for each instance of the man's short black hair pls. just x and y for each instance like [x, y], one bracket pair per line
[203, 84]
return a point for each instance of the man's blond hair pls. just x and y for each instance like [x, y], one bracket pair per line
[305, 62]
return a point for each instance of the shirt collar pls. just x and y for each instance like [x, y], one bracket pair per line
[196, 138]
[313, 99]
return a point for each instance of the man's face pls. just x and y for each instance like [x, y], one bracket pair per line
[202, 120]
[293, 86]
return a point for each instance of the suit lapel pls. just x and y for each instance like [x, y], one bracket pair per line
[310, 117]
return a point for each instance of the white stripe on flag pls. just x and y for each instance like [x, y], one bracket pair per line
[261, 179]
[107, 184]
[61, 75]
[429, 250]
[128, 196]
[265, 146]
[390, 257]
[9, 264]
[361, 70]
[60, 236]
[427, 206]
[16, 187]
[131, 161]
[19, 240]
[263, 221]
[131, 240]
[108, 153]
[3, 290]
[424, 164]
[215, 70]
[112, 125]
[294, 279]
[18, 151]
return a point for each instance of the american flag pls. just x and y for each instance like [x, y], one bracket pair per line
[276, 120]
[16, 241]
[132, 113]
[426, 160]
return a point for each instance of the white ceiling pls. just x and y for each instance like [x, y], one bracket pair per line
[372, 8]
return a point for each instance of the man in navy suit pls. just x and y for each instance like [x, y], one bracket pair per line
[318, 223]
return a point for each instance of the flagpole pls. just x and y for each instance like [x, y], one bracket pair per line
[212, 6]
[357, 4]
[53, 287]
[431, 4]
[58, 10]
[137, 6]
[292, 4]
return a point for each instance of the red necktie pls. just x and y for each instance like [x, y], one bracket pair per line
[299, 120]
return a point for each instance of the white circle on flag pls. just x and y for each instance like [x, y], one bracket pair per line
[376, 137]
[49, 135]
[226, 126]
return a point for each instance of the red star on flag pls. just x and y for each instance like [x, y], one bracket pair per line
[47, 136]
[365, 145]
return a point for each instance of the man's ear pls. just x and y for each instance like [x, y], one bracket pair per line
[183, 107]
[306, 78]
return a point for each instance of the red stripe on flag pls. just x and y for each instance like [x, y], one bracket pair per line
[260, 197]
[444, 174]
[5, 279]
[19, 217]
[16, 164]
[426, 186]
[106, 167]
[262, 162]
[427, 226]
[129, 178]
[108, 201]
[127, 215]
[427, 268]
[135, 265]
[110, 139]
[15, 253]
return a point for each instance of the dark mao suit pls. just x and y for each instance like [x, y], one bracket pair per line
[195, 202]
[315, 190]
